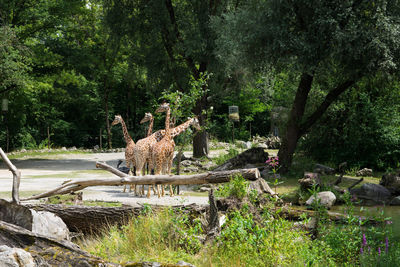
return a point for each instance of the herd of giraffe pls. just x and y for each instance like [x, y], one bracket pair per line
[156, 150]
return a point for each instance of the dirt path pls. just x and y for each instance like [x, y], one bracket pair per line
[45, 173]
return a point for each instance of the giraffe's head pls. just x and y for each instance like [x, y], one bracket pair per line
[117, 119]
[147, 117]
[163, 108]
[195, 123]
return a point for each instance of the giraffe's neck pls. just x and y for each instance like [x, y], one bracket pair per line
[181, 128]
[174, 132]
[127, 137]
[150, 130]
[167, 129]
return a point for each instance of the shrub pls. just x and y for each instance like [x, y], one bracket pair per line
[237, 187]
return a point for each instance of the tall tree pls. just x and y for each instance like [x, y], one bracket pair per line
[176, 43]
[329, 44]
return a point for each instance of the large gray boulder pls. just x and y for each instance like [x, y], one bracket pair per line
[371, 194]
[326, 198]
[50, 225]
[15, 257]
[40, 222]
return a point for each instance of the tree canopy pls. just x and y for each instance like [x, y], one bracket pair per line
[67, 67]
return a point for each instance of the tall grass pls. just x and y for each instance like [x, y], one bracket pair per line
[169, 237]
[149, 237]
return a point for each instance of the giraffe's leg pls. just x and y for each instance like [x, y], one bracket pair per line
[150, 169]
[171, 192]
[148, 191]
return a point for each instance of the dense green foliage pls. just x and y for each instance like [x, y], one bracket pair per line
[252, 235]
[67, 67]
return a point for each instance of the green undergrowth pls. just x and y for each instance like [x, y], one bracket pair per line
[253, 235]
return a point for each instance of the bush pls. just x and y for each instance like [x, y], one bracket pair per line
[237, 187]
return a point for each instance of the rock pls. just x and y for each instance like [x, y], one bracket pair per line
[248, 144]
[50, 225]
[264, 146]
[204, 189]
[310, 179]
[251, 156]
[15, 257]
[182, 263]
[73, 148]
[364, 172]
[64, 148]
[392, 182]
[371, 194]
[191, 169]
[186, 163]
[96, 147]
[327, 199]
[208, 165]
[395, 201]
[323, 170]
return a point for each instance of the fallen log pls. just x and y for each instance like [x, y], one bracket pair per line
[92, 219]
[201, 178]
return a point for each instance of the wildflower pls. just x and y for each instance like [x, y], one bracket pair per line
[386, 245]
[389, 222]
[379, 251]
[361, 251]
[364, 240]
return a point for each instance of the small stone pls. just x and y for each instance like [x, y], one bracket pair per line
[182, 263]
[14, 257]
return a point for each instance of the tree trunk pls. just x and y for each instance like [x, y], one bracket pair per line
[297, 125]
[292, 133]
[200, 140]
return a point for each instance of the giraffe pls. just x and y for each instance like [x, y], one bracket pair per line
[142, 152]
[177, 131]
[148, 117]
[162, 152]
[130, 145]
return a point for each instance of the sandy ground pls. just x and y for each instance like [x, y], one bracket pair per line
[44, 174]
